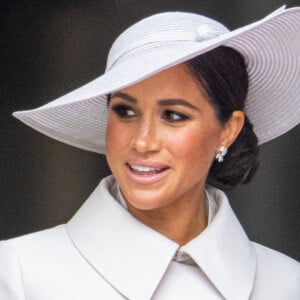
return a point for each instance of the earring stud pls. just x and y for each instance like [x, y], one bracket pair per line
[220, 155]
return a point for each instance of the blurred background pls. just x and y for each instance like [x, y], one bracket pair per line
[49, 48]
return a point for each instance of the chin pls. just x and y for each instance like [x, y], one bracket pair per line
[146, 200]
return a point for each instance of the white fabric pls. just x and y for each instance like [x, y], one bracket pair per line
[105, 253]
[270, 46]
[210, 210]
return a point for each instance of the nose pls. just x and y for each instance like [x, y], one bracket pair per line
[146, 137]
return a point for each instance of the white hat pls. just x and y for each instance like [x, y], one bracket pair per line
[271, 48]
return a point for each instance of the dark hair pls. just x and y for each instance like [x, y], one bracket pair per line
[222, 73]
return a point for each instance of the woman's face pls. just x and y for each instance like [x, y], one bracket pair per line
[161, 139]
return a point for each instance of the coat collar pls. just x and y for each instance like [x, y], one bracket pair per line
[224, 252]
[133, 258]
[127, 254]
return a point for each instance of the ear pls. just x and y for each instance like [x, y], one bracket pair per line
[232, 128]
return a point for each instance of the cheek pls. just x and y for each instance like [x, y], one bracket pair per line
[193, 149]
[114, 140]
[110, 138]
[118, 140]
[190, 143]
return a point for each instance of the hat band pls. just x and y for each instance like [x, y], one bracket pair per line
[202, 32]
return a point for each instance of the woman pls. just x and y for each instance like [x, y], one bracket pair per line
[173, 112]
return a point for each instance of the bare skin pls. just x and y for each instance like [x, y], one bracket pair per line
[162, 136]
[180, 222]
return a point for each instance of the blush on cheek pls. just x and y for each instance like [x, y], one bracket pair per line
[185, 146]
[194, 153]
[190, 145]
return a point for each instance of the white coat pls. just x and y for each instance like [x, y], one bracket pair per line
[105, 253]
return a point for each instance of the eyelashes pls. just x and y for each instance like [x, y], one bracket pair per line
[173, 116]
[126, 112]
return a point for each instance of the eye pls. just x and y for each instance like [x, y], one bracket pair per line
[173, 116]
[124, 111]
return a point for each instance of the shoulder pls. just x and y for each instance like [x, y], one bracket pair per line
[29, 250]
[271, 260]
[43, 261]
[48, 238]
[18, 255]
[47, 265]
[44, 247]
[277, 275]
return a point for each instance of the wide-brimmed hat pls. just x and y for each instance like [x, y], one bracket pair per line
[271, 48]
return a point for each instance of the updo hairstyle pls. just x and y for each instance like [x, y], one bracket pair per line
[222, 73]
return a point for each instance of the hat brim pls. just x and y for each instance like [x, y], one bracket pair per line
[270, 46]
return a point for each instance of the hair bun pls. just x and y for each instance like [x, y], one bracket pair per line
[222, 72]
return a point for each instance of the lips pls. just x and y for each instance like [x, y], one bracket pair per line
[146, 172]
[145, 169]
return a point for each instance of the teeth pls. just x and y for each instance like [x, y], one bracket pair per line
[143, 169]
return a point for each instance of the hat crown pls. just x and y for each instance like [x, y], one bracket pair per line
[162, 29]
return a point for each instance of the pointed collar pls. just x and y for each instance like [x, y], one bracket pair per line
[133, 258]
[126, 253]
[224, 252]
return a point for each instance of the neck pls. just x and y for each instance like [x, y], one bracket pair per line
[180, 221]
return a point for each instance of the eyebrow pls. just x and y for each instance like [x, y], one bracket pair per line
[166, 102]
[124, 96]
[162, 102]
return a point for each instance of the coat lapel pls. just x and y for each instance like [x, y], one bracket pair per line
[224, 252]
[129, 255]
[133, 258]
